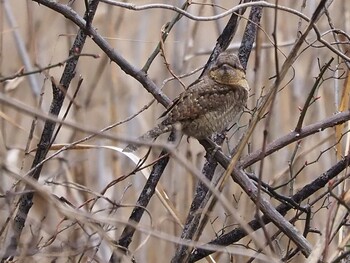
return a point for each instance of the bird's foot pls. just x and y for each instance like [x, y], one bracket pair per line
[213, 149]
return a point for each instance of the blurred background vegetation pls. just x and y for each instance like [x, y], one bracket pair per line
[107, 96]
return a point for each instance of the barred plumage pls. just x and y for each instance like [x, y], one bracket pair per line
[208, 105]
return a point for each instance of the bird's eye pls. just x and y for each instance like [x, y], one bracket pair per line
[227, 66]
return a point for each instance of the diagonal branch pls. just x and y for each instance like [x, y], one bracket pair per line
[129, 69]
[307, 191]
[142, 202]
[193, 224]
[336, 119]
[26, 200]
[311, 95]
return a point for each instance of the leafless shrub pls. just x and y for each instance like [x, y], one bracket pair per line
[80, 80]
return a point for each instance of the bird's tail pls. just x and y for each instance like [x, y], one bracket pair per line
[151, 135]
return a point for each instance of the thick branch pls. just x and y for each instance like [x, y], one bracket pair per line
[307, 191]
[26, 200]
[294, 136]
[249, 35]
[142, 202]
[129, 69]
[203, 194]
[270, 212]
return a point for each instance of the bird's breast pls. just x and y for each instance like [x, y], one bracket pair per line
[218, 118]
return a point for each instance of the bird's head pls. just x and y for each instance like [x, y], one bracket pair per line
[227, 70]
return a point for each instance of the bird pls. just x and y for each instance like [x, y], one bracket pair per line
[208, 105]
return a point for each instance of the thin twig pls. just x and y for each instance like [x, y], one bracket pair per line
[307, 191]
[22, 73]
[26, 200]
[142, 202]
[311, 95]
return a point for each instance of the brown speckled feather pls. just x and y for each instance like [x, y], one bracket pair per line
[209, 104]
[216, 97]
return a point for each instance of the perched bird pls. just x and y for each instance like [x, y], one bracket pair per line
[208, 105]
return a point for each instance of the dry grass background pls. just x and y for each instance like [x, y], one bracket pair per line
[108, 95]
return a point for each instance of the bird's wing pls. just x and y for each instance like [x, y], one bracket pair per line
[200, 99]
[177, 99]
